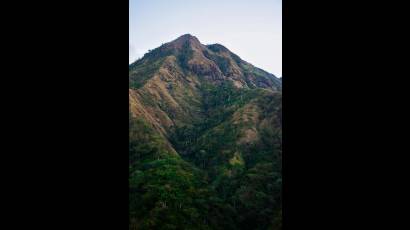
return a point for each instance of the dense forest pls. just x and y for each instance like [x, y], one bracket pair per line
[205, 134]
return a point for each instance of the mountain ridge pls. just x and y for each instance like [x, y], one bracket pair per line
[214, 60]
[213, 116]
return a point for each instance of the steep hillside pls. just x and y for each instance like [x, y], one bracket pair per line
[206, 125]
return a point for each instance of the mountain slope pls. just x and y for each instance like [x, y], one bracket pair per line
[219, 119]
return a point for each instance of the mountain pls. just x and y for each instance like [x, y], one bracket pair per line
[205, 140]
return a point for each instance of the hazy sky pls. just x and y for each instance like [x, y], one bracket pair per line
[250, 28]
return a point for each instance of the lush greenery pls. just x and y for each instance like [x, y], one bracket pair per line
[219, 166]
[140, 73]
[165, 191]
[217, 184]
[247, 177]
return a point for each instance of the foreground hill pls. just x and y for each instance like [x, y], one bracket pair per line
[205, 140]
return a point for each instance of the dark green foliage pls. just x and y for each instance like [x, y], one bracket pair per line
[252, 190]
[165, 191]
[144, 143]
[143, 69]
[219, 103]
[139, 74]
[159, 52]
[184, 55]
[171, 195]
[222, 62]
[217, 48]
[236, 58]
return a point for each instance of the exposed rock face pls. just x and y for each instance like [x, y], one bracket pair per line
[166, 82]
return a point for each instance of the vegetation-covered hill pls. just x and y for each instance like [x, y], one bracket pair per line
[205, 140]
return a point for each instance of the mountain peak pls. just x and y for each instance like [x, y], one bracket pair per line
[187, 37]
[214, 63]
[192, 40]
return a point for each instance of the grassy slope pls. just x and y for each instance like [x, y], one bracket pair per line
[227, 173]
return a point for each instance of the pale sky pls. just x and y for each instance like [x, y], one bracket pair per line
[252, 29]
